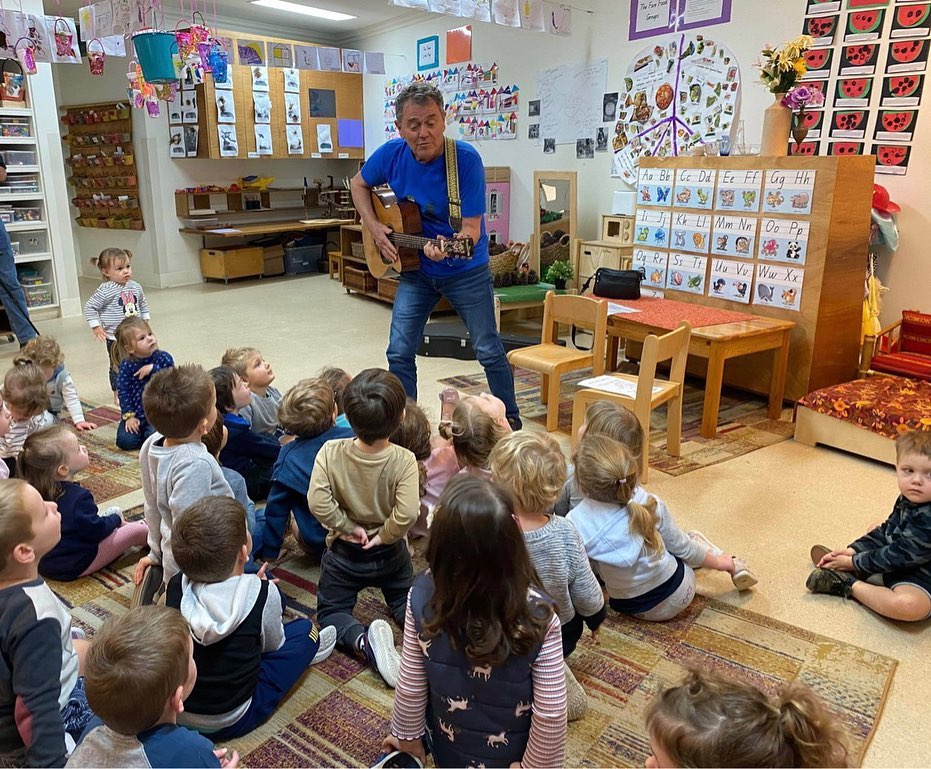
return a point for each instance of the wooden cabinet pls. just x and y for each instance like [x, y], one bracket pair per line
[592, 254]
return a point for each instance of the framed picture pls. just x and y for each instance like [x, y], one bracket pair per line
[428, 53]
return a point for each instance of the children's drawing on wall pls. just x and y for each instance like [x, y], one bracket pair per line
[191, 134]
[585, 149]
[609, 107]
[549, 146]
[226, 107]
[229, 144]
[533, 108]
[263, 139]
[292, 108]
[279, 55]
[324, 138]
[329, 59]
[174, 108]
[292, 80]
[259, 78]
[189, 106]
[176, 142]
[305, 57]
[251, 52]
[601, 139]
[262, 107]
[352, 60]
[295, 137]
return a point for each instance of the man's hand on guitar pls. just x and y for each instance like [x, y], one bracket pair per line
[380, 234]
[433, 253]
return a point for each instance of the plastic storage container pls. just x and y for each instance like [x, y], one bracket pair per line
[38, 296]
[20, 157]
[33, 242]
[301, 259]
[27, 214]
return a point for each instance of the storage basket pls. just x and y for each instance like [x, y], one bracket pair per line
[358, 250]
[502, 264]
[557, 252]
[359, 280]
[388, 288]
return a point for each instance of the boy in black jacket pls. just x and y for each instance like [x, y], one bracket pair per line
[896, 553]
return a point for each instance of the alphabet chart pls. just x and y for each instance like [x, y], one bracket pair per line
[788, 192]
[686, 272]
[654, 187]
[783, 240]
[739, 191]
[654, 264]
[691, 232]
[734, 236]
[779, 285]
[694, 188]
[731, 280]
[651, 228]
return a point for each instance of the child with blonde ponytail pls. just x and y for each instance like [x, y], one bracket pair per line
[709, 720]
[644, 559]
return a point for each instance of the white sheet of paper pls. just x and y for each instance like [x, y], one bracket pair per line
[224, 231]
[612, 384]
[114, 45]
[324, 140]
[619, 309]
[373, 63]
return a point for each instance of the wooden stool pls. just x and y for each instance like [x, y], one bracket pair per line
[335, 262]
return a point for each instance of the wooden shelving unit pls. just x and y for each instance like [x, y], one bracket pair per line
[103, 166]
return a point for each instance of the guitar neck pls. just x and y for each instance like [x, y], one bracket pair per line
[410, 241]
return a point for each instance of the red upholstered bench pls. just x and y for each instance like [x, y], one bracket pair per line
[864, 416]
[902, 349]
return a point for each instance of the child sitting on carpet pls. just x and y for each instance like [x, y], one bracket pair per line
[637, 549]
[365, 493]
[532, 469]
[307, 411]
[262, 412]
[621, 424]
[897, 552]
[250, 453]
[137, 358]
[89, 541]
[41, 695]
[709, 720]
[137, 689]
[62, 392]
[482, 664]
[414, 435]
[337, 379]
[26, 398]
[247, 659]
[478, 423]
[176, 467]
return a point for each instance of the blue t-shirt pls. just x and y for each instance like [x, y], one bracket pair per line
[425, 184]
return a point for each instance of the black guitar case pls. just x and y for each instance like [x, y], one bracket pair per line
[451, 340]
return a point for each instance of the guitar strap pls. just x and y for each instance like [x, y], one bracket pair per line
[452, 186]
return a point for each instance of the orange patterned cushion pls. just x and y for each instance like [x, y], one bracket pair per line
[915, 335]
[903, 364]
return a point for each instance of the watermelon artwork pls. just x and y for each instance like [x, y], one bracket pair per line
[805, 148]
[865, 25]
[855, 4]
[902, 91]
[818, 59]
[911, 21]
[907, 56]
[891, 158]
[849, 122]
[895, 125]
[854, 88]
[845, 148]
[821, 28]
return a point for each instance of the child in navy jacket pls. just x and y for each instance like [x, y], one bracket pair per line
[249, 453]
[308, 410]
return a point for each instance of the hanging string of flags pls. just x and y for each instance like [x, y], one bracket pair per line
[524, 14]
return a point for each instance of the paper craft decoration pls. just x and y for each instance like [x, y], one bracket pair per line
[480, 10]
[32, 27]
[428, 52]
[902, 91]
[449, 7]
[176, 142]
[64, 34]
[651, 228]
[860, 59]
[189, 106]
[329, 59]
[571, 100]
[654, 186]
[174, 108]
[459, 44]
[373, 63]
[734, 236]
[694, 188]
[279, 55]
[653, 264]
[895, 126]
[191, 136]
[292, 80]
[739, 190]
[262, 107]
[229, 145]
[305, 57]
[324, 139]
[822, 29]
[226, 107]
[788, 192]
[531, 15]
[259, 78]
[907, 56]
[783, 240]
[909, 23]
[676, 95]
[691, 232]
[352, 60]
[559, 20]
[349, 133]
[224, 83]
[864, 27]
[731, 280]
[292, 108]
[686, 272]
[250, 52]
[779, 286]
[263, 139]
[891, 159]
[295, 137]
[322, 102]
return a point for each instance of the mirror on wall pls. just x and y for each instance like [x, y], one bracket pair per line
[554, 225]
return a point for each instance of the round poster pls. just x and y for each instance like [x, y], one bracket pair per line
[676, 95]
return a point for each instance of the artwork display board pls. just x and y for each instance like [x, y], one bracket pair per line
[757, 240]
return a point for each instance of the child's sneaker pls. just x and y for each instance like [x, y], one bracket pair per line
[448, 400]
[398, 760]
[697, 536]
[149, 588]
[742, 577]
[378, 645]
[830, 582]
[818, 552]
[327, 637]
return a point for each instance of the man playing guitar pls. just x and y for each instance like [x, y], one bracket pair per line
[415, 167]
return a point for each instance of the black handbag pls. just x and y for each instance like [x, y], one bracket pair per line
[616, 284]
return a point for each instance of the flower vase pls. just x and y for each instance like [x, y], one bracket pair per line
[777, 125]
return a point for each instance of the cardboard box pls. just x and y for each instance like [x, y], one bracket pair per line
[227, 262]
[274, 260]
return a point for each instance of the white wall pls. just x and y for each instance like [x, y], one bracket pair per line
[603, 34]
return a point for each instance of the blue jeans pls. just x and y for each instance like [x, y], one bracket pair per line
[132, 441]
[279, 672]
[11, 292]
[472, 297]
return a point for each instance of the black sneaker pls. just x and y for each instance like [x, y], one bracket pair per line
[149, 589]
[400, 760]
[378, 645]
[830, 582]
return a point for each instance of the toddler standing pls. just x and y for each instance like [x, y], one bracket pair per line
[137, 357]
[117, 298]
[89, 541]
[62, 392]
[26, 397]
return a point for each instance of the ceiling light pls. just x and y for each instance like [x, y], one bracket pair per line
[308, 10]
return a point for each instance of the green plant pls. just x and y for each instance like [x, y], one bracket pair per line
[559, 270]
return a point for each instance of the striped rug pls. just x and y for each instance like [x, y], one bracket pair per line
[338, 714]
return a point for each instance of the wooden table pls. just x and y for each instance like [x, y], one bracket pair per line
[248, 230]
[717, 343]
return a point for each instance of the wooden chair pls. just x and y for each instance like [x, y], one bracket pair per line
[902, 349]
[552, 360]
[651, 393]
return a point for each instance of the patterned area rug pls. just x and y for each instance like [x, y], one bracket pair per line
[338, 714]
[743, 425]
[112, 471]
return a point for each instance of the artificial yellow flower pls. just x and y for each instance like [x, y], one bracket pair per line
[800, 68]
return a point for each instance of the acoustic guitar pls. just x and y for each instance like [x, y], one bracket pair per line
[403, 217]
